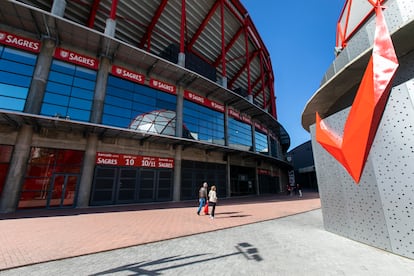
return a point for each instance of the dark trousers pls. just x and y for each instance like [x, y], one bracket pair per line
[213, 209]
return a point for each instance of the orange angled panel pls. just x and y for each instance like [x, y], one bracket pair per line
[352, 149]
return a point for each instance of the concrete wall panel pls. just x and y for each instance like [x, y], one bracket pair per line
[380, 210]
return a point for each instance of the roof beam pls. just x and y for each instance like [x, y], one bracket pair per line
[151, 26]
[203, 24]
[92, 14]
[237, 75]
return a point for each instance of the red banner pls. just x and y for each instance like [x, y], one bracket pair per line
[203, 101]
[19, 42]
[125, 160]
[127, 74]
[76, 58]
[163, 86]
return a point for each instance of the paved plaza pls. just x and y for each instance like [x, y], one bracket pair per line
[272, 235]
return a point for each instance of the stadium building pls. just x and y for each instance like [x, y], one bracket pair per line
[106, 102]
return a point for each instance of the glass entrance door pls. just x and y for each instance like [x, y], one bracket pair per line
[63, 190]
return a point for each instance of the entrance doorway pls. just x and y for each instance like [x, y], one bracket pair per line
[120, 185]
[62, 190]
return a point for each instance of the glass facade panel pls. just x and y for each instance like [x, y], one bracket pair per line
[203, 123]
[16, 71]
[69, 91]
[261, 143]
[5, 155]
[51, 178]
[240, 135]
[127, 102]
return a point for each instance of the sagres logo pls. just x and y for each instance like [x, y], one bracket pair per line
[352, 149]
[2, 36]
[64, 53]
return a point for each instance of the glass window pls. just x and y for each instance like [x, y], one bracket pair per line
[274, 147]
[16, 70]
[45, 167]
[261, 142]
[5, 156]
[240, 134]
[202, 123]
[139, 107]
[69, 91]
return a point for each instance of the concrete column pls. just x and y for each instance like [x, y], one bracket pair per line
[257, 182]
[250, 98]
[181, 59]
[88, 169]
[17, 170]
[177, 173]
[224, 81]
[100, 90]
[40, 75]
[179, 112]
[228, 177]
[110, 27]
[58, 8]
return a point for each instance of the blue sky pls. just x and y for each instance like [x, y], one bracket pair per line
[300, 37]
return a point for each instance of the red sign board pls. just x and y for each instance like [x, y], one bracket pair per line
[127, 74]
[235, 114]
[76, 58]
[163, 86]
[122, 160]
[19, 42]
[203, 101]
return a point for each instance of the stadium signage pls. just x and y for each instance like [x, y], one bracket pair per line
[163, 86]
[239, 116]
[235, 114]
[203, 101]
[128, 160]
[127, 74]
[76, 58]
[19, 42]
[260, 127]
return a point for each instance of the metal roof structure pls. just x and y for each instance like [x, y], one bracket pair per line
[144, 29]
[217, 32]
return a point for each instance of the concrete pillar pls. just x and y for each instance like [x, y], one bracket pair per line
[224, 81]
[179, 112]
[88, 169]
[100, 90]
[228, 176]
[177, 173]
[17, 170]
[110, 27]
[250, 98]
[58, 8]
[40, 75]
[181, 59]
[257, 181]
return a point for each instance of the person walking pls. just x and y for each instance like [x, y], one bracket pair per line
[202, 197]
[299, 189]
[212, 199]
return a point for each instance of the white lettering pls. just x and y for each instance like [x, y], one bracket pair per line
[22, 42]
[106, 161]
[148, 163]
[82, 59]
[165, 165]
[132, 75]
